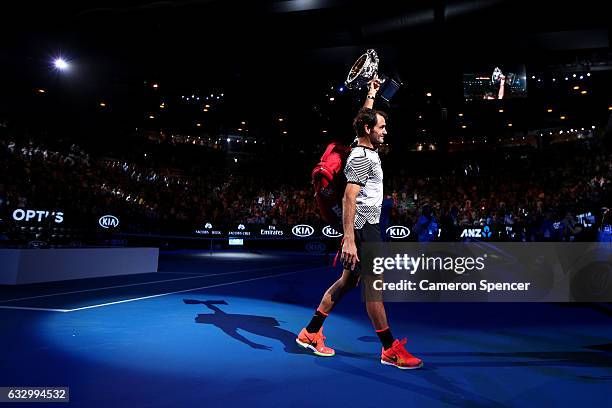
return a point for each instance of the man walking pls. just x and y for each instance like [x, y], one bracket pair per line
[361, 208]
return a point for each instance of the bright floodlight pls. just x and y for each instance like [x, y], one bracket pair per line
[60, 64]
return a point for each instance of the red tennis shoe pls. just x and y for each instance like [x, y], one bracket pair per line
[314, 342]
[399, 357]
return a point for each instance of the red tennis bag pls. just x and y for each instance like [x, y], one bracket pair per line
[329, 183]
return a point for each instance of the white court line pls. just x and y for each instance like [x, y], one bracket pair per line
[141, 283]
[34, 308]
[191, 290]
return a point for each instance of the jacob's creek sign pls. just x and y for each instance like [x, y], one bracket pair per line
[240, 231]
[38, 216]
[208, 230]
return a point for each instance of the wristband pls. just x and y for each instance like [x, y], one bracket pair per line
[370, 97]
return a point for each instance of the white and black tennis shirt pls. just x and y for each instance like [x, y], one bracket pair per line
[363, 168]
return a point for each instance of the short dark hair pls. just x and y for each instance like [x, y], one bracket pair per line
[366, 116]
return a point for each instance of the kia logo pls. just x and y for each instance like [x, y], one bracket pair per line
[330, 232]
[302, 230]
[108, 221]
[315, 247]
[37, 244]
[398, 232]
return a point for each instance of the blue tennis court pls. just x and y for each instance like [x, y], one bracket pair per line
[218, 330]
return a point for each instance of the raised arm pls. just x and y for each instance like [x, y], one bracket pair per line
[373, 87]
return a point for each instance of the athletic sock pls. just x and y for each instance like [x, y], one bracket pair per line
[386, 338]
[317, 322]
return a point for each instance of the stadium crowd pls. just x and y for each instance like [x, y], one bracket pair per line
[530, 200]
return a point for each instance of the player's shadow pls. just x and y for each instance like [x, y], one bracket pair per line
[264, 326]
[259, 325]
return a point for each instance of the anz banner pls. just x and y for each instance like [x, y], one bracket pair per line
[480, 233]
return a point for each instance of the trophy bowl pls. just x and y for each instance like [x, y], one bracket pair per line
[497, 74]
[363, 70]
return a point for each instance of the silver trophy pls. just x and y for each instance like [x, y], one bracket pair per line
[509, 78]
[363, 71]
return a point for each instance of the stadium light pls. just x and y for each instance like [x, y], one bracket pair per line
[61, 64]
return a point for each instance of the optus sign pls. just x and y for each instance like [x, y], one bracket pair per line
[37, 215]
